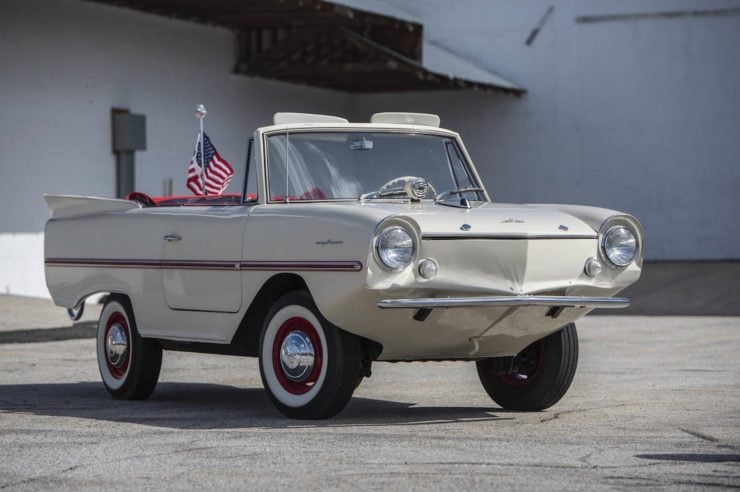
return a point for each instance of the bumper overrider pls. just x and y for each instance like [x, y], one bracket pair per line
[505, 301]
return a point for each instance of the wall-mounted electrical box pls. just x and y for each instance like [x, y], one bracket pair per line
[129, 132]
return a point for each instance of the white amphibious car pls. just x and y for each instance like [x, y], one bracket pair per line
[350, 243]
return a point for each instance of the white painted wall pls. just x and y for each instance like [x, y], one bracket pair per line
[65, 64]
[640, 115]
[21, 264]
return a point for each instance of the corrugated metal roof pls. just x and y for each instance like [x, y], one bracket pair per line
[444, 62]
[323, 44]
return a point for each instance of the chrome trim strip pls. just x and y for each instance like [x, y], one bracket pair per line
[199, 265]
[502, 236]
[320, 266]
[494, 301]
[106, 263]
[324, 266]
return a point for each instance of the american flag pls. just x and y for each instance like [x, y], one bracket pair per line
[218, 172]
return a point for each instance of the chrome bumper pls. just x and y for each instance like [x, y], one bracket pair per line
[496, 301]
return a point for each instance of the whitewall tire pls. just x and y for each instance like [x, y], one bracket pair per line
[129, 365]
[309, 367]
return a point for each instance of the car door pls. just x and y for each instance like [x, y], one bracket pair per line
[202, 249]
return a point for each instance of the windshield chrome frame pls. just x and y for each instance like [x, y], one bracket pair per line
[265, 134]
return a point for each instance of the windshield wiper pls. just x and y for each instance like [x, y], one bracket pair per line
[460, 191]
[385, 194]
[396, 192]
[463, 203]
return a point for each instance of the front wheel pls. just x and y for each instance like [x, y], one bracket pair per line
[129, 364]
[309, 367]
[538, 377]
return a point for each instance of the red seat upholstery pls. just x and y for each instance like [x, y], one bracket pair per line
[185, 200]
[142, 198]
[312, 194]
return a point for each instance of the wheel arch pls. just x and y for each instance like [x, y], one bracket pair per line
[246, 337]
[101, 292]
[99, 296]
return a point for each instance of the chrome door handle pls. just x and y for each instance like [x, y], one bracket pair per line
[172, 238]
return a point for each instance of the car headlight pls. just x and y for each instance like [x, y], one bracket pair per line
[619, 245]
[396, 248]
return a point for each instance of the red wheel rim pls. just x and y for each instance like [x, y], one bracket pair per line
[531, 358]
[118, 371]
[302, 325]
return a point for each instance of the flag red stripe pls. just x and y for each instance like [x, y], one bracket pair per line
[213, 171]
[214, 179]
[216, 175]
[223, 165]
[214, 182]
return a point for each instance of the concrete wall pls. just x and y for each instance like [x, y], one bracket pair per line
[65, 64]
[639, 115]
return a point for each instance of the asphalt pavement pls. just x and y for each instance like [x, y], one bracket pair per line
[655, 404]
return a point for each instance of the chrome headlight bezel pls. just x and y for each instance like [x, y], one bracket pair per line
[382, 258]
[611, 229]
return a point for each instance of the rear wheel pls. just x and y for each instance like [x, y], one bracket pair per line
[309, 367]
[129, 364]
[537, 377]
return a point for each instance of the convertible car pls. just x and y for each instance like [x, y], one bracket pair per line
[350, 243]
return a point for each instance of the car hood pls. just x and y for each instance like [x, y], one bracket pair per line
[492, 220]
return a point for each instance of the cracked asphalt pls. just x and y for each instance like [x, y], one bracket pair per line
[655, 404]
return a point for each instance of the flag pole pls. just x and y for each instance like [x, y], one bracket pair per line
[200, 113]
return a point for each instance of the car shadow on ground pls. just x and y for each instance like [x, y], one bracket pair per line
[212, 406]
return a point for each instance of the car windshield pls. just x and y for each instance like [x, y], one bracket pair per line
[350, 165]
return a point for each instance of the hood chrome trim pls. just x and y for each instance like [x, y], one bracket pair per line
[495, 301]
[495, 235]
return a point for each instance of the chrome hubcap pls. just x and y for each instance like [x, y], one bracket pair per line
[117, 345]
[297, 356]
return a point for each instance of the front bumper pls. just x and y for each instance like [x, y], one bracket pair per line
[498, 301]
